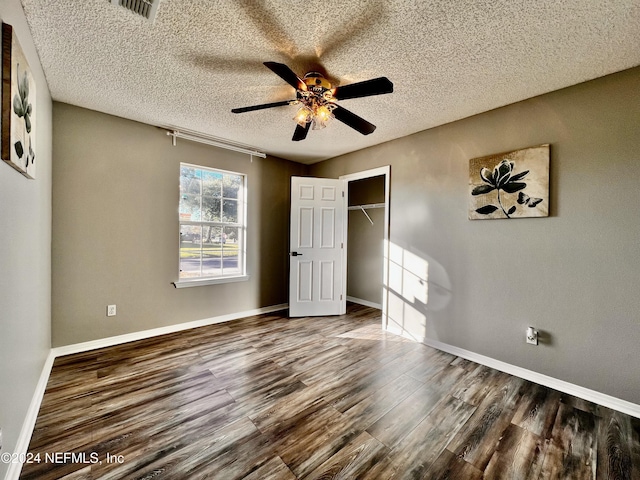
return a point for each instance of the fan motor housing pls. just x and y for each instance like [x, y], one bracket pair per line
[316, 83]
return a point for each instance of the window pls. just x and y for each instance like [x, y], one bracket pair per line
[212, 225]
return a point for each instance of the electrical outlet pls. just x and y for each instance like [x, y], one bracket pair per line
[532, 336]
[111, 310]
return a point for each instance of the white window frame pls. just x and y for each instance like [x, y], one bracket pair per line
[242, 242]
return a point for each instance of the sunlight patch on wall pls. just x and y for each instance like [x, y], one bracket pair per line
[403, 319]
[408, 274]
[406, 292]
[407, 288]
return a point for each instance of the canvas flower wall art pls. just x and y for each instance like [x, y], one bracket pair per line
[18, 106]
[510, 185]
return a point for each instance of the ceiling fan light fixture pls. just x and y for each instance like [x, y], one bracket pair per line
[322, 116]
[304, 116]
[318, 100]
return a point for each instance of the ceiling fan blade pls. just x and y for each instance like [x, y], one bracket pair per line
[301, 132]
[376, 86]
[286, 74]
[261, 107]
[353, 120]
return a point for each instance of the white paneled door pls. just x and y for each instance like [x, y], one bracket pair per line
[316, 257]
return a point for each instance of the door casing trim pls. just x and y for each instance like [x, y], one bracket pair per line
[374, 172]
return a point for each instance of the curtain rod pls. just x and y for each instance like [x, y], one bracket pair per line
[194, 137]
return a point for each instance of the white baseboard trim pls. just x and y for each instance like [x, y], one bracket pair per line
[366, 303]
[13, 473]
[539, 378]
[154, 332]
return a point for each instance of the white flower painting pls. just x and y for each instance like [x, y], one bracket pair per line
[18, 106]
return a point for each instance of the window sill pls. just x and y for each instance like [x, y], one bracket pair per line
[209, 281]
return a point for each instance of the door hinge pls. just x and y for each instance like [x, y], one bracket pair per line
[342, 193]
[340, 296]
[342, 245]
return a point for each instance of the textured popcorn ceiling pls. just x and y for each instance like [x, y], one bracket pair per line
[448, 59]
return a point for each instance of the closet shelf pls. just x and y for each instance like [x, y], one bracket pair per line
[369, 205]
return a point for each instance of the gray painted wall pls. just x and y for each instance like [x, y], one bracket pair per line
[115, 228]
[25, 258]
[574, 275]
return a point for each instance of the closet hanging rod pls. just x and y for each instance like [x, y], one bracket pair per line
[369, 205]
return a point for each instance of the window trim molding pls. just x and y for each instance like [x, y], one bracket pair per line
[210, 281]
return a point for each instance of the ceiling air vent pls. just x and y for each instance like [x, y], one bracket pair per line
[144, 8]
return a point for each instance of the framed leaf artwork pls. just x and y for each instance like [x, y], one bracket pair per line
[510, 185]
[18, 130]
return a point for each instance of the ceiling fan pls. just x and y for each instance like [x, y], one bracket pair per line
[317, 99]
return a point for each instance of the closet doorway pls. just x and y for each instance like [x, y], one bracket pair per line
[367, 236]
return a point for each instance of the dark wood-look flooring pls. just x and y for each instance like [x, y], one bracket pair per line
[269, 398]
